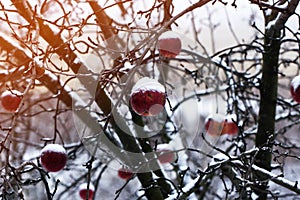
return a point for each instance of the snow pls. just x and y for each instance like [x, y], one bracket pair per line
[220, 157]
[77, 60]
[54, 148]
[231, 118]
[186, 188]
[146, 83]
[295, 82]
[216, 117]
[38, 61]
[83, 186]
[9, 92]
[168, 35]
[163, 147]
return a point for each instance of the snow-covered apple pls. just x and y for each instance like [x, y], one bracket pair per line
[53, 157]
[147, 97]
[11, 99]
[169, 44]
[84, 192]
[125, 173]
[295, 89]
[214, 125]
[230, 126]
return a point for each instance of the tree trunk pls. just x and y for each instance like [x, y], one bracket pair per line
[268, 92]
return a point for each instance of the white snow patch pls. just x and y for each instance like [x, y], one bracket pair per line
[77, 60]
[83, 186]
[54, 148]
[146, 83]
[168, 35]
[295, 82]
[11, 92]
[216, 117]
[231, 118]
[38, 61]
[220, 157]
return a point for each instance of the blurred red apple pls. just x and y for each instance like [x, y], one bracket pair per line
[214, 125]
[83, 191]
[124, 173]
[295, 89]
[53, 157]
[11, 100]
[169, 44]
[165, 156]
[230, 126]
[147, 97]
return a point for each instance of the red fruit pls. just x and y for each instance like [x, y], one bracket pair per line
[214, 125]
[11, 100]
[295, 89]
[165, 156]
[230, 126]
[53, 157]
[83, 191]
[147, 97]
[124, 173]
[169, 45]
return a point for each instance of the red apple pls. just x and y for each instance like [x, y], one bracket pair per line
[214, 125]
[148, 97]
[165, 156]
[230, 126]
[83, 191]
[11, 100]
[53, 157]
[124, 173]
[295, 89]
[169, 44]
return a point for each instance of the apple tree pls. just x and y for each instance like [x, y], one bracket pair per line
[149, 100]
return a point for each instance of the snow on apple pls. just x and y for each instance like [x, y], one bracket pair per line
[148, 97]
[125, 173]
[53, 157]
[11, 99]
[169, 44]
[84, 192]
[295, 89]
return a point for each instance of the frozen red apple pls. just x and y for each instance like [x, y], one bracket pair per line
[86, 193]
[230, 126]
[295, 89]
[214, 125]
[11, 99]
[165, 154]
[148, 97]
[169, 44]
[125, 173]
[53, 157]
